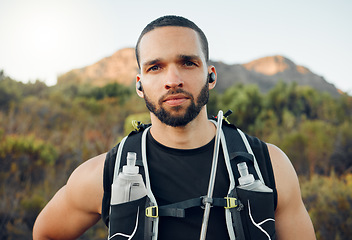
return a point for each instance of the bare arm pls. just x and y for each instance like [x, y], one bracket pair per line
[76, 206]
[291, 217]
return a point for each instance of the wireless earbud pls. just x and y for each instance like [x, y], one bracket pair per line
[139, 86]
[211, 78]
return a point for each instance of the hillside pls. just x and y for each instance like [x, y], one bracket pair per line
[267, 71]
[121, 67]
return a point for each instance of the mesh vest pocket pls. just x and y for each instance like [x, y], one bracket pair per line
[257, 216]
[127, 220]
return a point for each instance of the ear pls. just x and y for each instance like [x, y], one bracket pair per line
[139, 92]
[211, 69]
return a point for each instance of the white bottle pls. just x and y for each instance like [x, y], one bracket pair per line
[129, 184]
[248, 182]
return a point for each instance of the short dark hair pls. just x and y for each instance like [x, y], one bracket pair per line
[174, 21]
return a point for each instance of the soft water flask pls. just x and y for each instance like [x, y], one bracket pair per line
[248, 182]
[129, 184]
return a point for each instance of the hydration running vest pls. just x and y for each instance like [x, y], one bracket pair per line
[249, 214]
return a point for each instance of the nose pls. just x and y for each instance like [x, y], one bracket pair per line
[173, 79]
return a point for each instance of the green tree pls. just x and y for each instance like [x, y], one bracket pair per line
[341, 159]
[277, 100]
[295, 145]
[10, 91]
[319, 145]
[299, 100]
[246, 103]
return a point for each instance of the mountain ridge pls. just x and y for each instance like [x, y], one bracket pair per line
[121, 67]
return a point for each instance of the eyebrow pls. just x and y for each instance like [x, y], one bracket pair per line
[151, 62]
[181, 57]
[189, 57]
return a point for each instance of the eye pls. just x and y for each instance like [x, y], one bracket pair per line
[189, 64]
[154, 68]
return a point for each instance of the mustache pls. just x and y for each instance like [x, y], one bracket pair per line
[175, 91]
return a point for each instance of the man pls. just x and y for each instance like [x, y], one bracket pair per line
[174, 80]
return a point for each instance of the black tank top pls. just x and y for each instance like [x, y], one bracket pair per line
[178, 175]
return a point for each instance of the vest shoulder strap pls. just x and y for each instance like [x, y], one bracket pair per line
[132, 143]
[259, 150]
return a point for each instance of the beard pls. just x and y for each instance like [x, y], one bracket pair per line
[191, 112]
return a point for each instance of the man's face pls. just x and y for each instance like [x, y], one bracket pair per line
[173, 74]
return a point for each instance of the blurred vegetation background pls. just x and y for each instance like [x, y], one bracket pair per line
[46, 132]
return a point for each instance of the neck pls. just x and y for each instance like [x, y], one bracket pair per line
[196, 133]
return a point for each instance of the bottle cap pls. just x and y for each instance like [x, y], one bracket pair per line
[245, 178]
[131, 167]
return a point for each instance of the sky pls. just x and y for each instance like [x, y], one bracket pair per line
[41, 39]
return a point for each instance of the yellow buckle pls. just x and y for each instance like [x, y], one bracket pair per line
[231, 202]
[150, 210]
[135, 125]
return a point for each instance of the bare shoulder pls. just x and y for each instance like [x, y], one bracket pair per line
[285, 174]
[285, 177]
[87, 180]
[291, 217]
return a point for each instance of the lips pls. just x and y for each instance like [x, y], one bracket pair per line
[176, 99]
